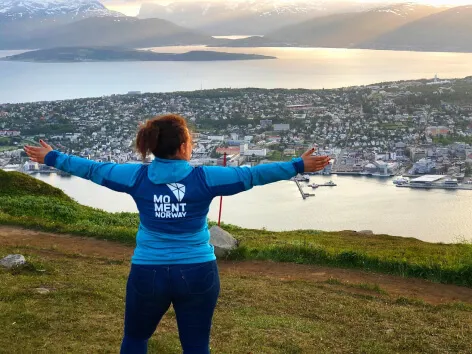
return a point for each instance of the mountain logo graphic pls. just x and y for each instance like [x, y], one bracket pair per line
[178, 190]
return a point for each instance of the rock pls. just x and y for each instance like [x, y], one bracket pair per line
[222, 241]
[13, 260]
[42, 291]
[366, 232]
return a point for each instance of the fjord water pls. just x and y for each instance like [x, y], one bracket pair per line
[357, 203]
[312, 68]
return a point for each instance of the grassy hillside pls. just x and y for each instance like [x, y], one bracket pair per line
[83, 312]
[27, 202]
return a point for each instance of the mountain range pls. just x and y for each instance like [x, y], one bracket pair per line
[33, 24]
[110, 31]
[14, 10]
[449, 30]
[246, 17]
[352, 29]
[395, 27]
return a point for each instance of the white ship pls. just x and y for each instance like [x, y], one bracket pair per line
[401, 181]
[301, 178]
[435, 182]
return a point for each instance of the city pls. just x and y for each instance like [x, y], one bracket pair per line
[404, 128]
[315, 197]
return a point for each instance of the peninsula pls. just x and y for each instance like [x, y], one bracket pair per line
[106, 54]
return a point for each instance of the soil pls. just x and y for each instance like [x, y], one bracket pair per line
[394, 286]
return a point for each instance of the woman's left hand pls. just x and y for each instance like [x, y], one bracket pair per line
[38, 153]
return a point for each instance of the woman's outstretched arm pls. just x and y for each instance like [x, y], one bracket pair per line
[120, 178]
[233, 180]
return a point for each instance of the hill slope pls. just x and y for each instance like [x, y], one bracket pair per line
[33, 204]
[108, 31]
[267, 307]
[245, 17]
[352, 29]
[24, 20]
[21, 10]
[450, 30]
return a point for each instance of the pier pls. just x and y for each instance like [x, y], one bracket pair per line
[304, 195]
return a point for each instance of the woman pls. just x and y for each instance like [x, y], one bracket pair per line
[173, 262]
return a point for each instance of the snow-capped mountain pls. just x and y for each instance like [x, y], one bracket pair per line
[245, 16]
[350, 30]
[13, 10]
[448, 30]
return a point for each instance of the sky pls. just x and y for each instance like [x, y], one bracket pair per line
[131, 7]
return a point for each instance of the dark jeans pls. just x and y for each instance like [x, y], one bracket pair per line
[193, 291]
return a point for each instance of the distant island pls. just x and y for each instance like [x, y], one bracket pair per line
[90, 54]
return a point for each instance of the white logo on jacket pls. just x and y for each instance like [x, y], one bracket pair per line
[178, 190]
[165, 209]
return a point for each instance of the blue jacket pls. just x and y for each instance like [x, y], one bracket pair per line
[173, 199]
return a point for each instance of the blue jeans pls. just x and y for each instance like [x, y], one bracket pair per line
[193, 291]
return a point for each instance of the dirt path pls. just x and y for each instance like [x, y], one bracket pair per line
[395, 286]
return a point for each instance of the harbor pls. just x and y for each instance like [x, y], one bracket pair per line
[433, 182]
[356, 203]
[306, 179]
[303, 194]
[31, 168]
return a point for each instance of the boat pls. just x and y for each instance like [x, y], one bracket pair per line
[382, 175]
[301, 178]
[63, 173]
[331, 184]
[451, 183]
[401, 181]
[314, 186]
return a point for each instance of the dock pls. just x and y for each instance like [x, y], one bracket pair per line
[460, 187]
[304, 195]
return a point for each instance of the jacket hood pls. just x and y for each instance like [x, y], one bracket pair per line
[163, 171]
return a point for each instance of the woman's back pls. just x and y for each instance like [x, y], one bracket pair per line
[173, 262]
[173, 200]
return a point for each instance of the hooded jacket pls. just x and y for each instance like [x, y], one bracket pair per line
[173, 199]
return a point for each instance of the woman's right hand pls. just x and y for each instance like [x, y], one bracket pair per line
[38, 153]
[314, 163]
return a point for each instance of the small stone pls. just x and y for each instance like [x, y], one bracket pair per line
[222, 241]
[13, 260]
[42, 291]
[366, 232]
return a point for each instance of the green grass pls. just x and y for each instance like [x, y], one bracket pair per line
[83, 313]
[27, 202]
[451, 263]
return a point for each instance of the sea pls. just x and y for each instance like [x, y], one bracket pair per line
[312, 68]
[357, 203]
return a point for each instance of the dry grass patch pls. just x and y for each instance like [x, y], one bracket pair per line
[83, 313]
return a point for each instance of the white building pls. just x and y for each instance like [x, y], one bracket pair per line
[245, 151]
[9, 133]
[216, 138]
[281, 127]
[423, 166]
